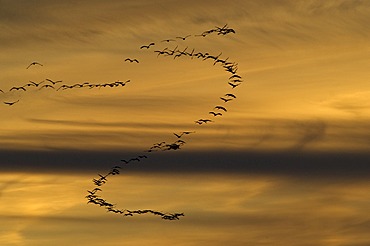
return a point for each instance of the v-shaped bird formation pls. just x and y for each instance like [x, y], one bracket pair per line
[177, 51]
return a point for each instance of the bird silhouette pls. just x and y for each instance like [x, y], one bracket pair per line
[233, 85]
[54, 82]
[102, 177]
[230, 95]
[11, 103]
[168, 40]
[235, 76]
[201, 121]
[147, 46]
[132, 60]
[181, 134]
[183, 38]
[18, 88]
[215, 114]
[33, 64]
[221, 108]
[225, 99]
[46, 86]
[37, 84]
[65, 87]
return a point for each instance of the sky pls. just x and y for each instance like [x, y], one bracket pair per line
[287, 164]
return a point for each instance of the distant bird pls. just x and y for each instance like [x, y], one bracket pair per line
[65, 87]
[102, 177]
[11, 103]
[230, 95]
[183, 38]
[236, 80]
[114, 171]
[36, 84]
[180, 141]
[225, 99]
[46, 86]
[162, 52]
[215, 114]
[201, 121]
[147, 46]
[54, 82]
[173, 146]
[167, 40]
[181, 134]
[202, 35]
[33, 64]
[233, 85]
[235, 76]
[132, 60]
[30, 84]
[18, 88]
[221, 108]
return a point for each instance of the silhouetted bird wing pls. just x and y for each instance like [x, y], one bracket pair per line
[230, 95]
[33, 63]
[167, 40]
[11, 103]
[221, 108]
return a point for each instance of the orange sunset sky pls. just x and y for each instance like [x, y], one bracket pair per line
[286, 164]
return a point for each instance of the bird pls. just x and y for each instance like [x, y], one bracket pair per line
[11, 103]
[102, 177]
[173, 146]
[114, 171]
[30, 84]
[201, 121]
[183, 38]
[147, 46]
[233, 85]
[221, 108]
[37, 84]
[167, 40]
[235, 76]
[225, 99]
[202, 35]
[34, 63]
[180, 141]
[131, 60]
[65, 87]
[54, 82]
[18, 88]
[46, 86]
[236, 80]
[161, 52]
[215, 114]
[181, 134]
[230, 95]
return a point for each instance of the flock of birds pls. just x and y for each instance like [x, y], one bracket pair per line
[234, 80]
[58, 85]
